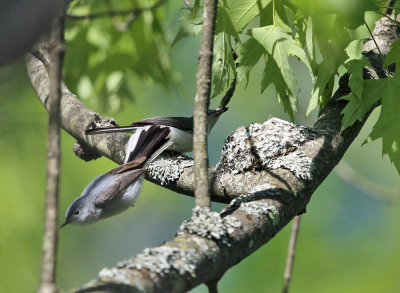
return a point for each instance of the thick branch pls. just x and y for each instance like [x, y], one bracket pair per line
[275, 166]
[48, 273]
[202, 102]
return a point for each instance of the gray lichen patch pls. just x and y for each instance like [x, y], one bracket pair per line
[297, 162]
[260, 209]
[269, 145]
[115, 274]
[209, 224]
[164, 260]
[99, 122]
[168, 168]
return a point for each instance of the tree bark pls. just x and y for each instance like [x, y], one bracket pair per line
[202, 102]
[267, 172]
[50, 238]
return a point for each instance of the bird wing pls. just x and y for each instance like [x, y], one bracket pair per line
[183, 123]
[118, 183]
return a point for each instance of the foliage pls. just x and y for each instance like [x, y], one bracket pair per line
[324, 35]
[116, 49]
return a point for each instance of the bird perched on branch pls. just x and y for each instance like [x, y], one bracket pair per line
[118, 189]
[181, 129]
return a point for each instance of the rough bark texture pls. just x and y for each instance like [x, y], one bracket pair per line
[50, 238]
[268, 171]
[202, 102]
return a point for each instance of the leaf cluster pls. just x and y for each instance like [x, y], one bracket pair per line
[327, 36]
[105, 55]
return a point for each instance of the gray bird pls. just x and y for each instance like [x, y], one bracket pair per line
[118, 189]
[181, 129]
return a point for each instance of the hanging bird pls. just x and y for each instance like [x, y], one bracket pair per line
[118, 189]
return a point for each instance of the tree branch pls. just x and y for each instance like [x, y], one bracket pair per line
[50, 239]
[275, 168]
[291, 254]
[202, 102]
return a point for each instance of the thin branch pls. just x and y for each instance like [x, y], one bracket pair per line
[212, 286]
[135, 12]
[291, 254]
[228, 95]
[50, 239]
[373, 38]
[202, 102]
[188, 4]
[41, 57]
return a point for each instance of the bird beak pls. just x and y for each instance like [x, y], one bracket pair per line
[65, 223]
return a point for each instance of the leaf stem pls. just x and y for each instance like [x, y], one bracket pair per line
[373, 38]
[273, 12]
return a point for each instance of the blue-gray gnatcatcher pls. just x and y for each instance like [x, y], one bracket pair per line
[181, 129]
[118, 189]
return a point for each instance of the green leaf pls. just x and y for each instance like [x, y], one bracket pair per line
[323, 75]
[224, 23]
[279, 46]
[388, 125]
[329, 41]
[243, 12]
[354, 49]
[272, 76]
[249, 53]
[356, 81]
[394, 55]
[356, 109]
[223, 64]
[189, 25]
[351, 13]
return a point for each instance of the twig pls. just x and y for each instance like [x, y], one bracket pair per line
[373, 38]
[291, 254]
[41, 57]
[213, 286]
[202, 102]
[228, 95]
[56, 51]
[135, 12]
[188, 4]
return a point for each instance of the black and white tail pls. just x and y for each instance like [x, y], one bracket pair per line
[148, 142]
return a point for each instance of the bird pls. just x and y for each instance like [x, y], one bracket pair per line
[181, 129]
[117, 190]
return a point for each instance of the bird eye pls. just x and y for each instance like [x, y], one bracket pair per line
[77, 212]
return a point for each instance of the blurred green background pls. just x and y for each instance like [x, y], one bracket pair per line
[349, 240]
